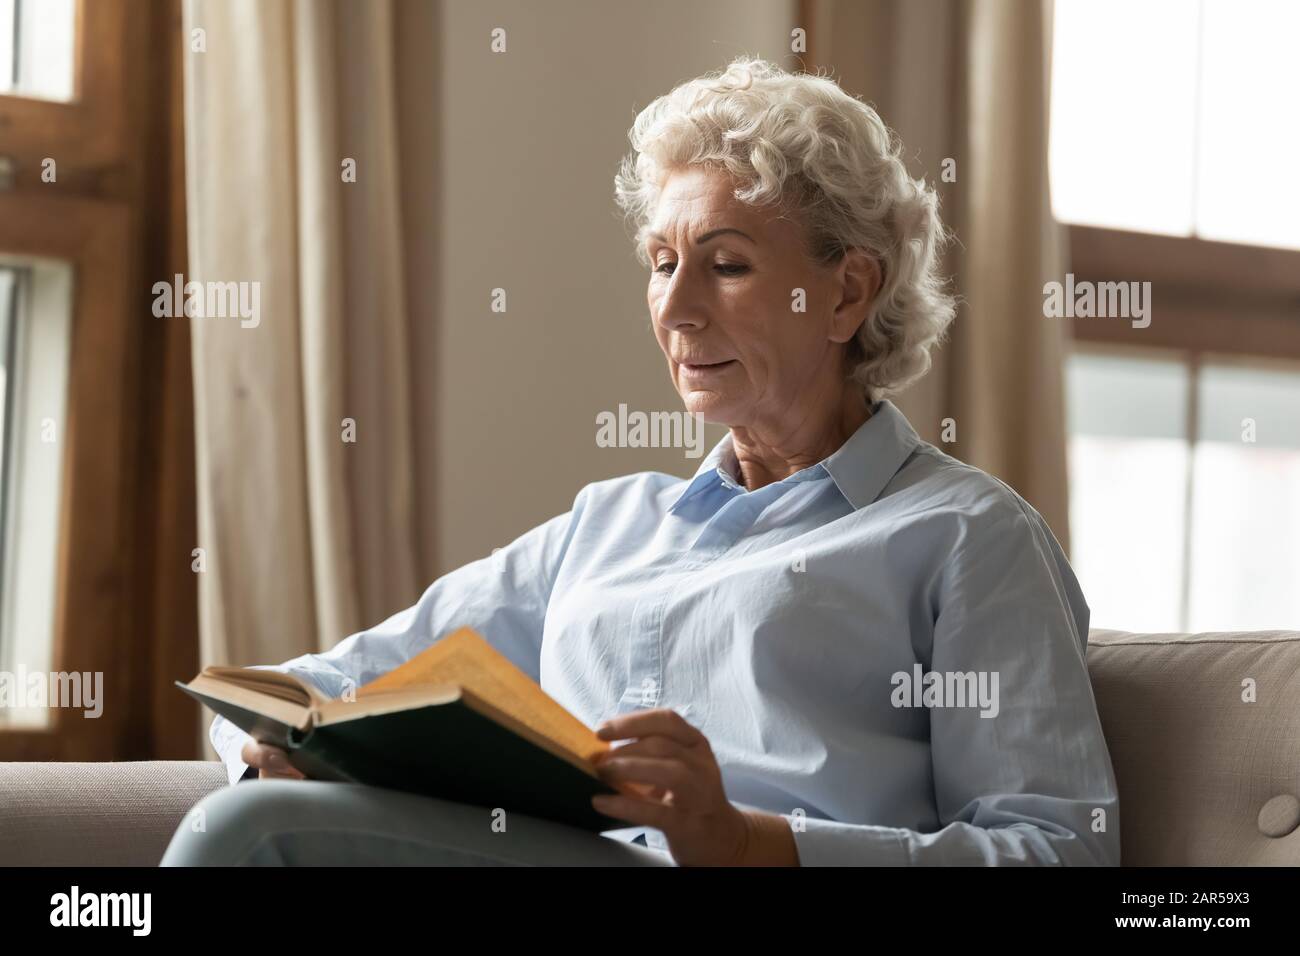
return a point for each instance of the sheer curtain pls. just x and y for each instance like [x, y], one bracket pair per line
[305, 418]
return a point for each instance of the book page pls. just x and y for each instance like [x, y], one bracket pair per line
[271, 683]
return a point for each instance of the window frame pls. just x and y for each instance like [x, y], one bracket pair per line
[89, 592]
[1207, 296]
[125, 598]
[89, 132]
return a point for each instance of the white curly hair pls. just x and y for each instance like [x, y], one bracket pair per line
[798, 142]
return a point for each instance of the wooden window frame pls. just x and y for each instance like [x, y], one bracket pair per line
[1207, 297]
[93, 238]
[88, 133]
[125, 598]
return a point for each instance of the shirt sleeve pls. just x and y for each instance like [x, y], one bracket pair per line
[502, 596]
[1027, 780]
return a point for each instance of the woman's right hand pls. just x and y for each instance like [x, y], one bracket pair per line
[271, 762]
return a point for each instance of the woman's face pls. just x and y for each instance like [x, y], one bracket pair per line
[722, 292]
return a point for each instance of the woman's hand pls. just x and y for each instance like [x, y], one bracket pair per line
[271, 762]
[672, 762]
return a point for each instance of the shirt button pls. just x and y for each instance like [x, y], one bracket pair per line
[649, 691]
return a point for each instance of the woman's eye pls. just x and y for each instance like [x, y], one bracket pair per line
[722, 268]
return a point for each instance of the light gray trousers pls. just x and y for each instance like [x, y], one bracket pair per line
[319, 823]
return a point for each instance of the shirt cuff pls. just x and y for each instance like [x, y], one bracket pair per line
[830, 843]
[228, 741]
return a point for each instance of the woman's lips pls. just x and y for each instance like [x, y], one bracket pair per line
[705, 371]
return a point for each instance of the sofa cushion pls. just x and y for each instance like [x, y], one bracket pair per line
[87, 814]
[1197, 760]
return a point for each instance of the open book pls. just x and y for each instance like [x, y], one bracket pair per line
[457, 721]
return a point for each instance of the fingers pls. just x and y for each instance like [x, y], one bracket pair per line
[662, 775]
[634, 810]
[270, 761]
[671, 743]
[293, 773]
[641, 723]
[657, 746]
[258, 755]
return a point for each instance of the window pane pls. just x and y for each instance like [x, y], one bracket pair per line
[37, 48]
[35, 360]
[8, 309]
[1123, 113]
[1176, 117]
[1245, 557]
[1250, 404]
[1128, 465]
[1250, 123]
[1126, 396]
[6, 45]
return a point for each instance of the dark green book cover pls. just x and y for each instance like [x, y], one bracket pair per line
[445, 750]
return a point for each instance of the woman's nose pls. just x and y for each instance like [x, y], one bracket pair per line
[681, 306]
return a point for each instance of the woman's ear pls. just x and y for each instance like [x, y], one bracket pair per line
[858, 277]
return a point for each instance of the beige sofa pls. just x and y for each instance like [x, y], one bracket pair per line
[1205, 777]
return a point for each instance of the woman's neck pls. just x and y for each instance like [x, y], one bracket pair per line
[768, 455]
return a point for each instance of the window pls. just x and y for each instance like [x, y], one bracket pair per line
[1245, 498]
[1172, 158]
[1175, 117]
[35, 315]
[1195, 468]
[36, 48]
[1128, 464]
[94, 572]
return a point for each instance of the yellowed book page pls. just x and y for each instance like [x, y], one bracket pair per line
[271, 683]
[465, 658]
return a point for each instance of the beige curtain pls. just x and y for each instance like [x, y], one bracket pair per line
[968, 80]
[306, 536]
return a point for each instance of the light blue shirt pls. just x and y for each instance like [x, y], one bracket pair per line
[887, 648]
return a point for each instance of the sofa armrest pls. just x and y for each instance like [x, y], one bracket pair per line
[98, 814]
[1198, 765]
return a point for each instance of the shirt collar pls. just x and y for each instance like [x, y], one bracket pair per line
[719, 467]
[860, 468]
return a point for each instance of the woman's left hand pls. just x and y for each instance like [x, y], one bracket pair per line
[672, 762]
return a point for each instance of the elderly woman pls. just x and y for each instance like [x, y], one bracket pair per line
[834, 644]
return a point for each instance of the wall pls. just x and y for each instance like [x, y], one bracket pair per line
[531, 139]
